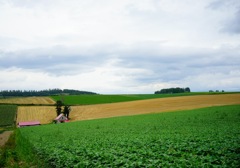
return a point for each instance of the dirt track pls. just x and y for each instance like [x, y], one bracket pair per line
[4, 137]
[151, 106]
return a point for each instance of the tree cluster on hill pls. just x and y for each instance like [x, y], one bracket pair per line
[65, 111]
[173, 90]
[211, 91]
[49, 92]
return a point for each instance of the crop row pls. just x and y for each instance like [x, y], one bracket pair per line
[27, 100]
[205, 137]
[7, 115]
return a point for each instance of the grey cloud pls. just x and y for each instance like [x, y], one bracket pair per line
[157, 62]
[233, 26]
[216, 4]
[30, 4]
[222, 4]
[57, 60]
[177, 65]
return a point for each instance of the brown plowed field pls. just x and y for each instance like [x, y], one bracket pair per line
[28, 100]
[47, 114]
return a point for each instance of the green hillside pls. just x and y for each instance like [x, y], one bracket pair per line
[207, 137]
[100, 99]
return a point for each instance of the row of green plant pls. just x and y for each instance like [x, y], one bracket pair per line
[7, 115]
[101, 99]
[7, 122]
[207, 137]
[13, 156]
[8, 154]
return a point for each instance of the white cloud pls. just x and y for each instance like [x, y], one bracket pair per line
[111, 46]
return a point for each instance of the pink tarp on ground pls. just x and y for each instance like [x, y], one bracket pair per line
[58, 117]
[28, 123]
[61, 118]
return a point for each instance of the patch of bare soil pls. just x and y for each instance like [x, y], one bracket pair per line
[151, 106]
[4, 137]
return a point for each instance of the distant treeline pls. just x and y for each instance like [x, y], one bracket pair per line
[173, 90]
[6, 93]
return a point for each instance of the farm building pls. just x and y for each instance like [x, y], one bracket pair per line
[61, 118]
[28, 123]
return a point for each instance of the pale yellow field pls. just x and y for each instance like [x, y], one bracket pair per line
[151, 106]
[46, 114]
[28, 100]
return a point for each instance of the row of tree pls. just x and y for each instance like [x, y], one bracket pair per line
[49, 92]
[173, 90]
[216, 91]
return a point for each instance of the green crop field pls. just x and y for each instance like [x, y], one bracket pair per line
[101, 99]
[7, 115]
[207, 137]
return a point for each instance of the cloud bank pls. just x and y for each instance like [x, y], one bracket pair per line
[120, 46]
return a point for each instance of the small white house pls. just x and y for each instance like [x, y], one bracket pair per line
[61, 118]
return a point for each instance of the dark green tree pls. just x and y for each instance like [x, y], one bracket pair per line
[187, 89]
[66, 111]
[173, 90]
[59, 105]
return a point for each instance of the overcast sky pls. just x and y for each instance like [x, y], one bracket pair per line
[120, 46]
